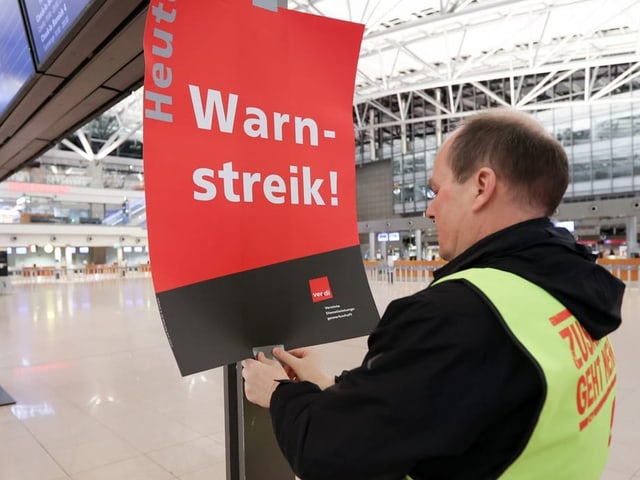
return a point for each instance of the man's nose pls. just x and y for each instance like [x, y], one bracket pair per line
[428, 213]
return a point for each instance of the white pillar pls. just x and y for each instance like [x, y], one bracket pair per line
[68, 256]
[438, 129]
[632, 235]
[418, 234]
[372, 134]
[372, 245]
[95, 171]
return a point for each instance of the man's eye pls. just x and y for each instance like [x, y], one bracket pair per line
[430, 194]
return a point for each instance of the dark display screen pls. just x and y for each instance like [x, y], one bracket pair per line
[50, 20]
[16, 65]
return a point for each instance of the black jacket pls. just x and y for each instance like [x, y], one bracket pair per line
[444, 392]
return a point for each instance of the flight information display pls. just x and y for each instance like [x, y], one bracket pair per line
[16, 64]
[50, 20]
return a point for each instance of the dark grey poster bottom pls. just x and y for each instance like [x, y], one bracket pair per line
[307, 301]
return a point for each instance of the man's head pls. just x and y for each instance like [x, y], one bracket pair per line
[499, 168]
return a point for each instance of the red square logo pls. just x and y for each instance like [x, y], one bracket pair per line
[320, 289]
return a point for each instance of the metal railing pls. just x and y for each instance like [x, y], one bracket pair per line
[401, 271]
[80, 273]
[627, 270]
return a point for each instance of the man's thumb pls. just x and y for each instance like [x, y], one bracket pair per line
[284, 356]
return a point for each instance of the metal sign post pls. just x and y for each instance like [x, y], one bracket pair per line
[252, 452]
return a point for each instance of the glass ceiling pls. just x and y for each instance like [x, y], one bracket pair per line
[419, 44]
[415, 44]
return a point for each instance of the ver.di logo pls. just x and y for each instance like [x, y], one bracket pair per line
[320, 289]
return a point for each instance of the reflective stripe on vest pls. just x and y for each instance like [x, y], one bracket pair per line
[572, 435]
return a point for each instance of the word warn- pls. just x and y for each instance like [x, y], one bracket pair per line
[256, 122]
[595, 361]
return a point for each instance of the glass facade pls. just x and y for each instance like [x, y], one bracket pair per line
[44, 183]
[603, 146]
[601, 135]
[411, 172]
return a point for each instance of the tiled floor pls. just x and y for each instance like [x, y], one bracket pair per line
[99, 395]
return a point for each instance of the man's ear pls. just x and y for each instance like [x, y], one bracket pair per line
[485, 184]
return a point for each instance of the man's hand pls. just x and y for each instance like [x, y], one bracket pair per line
[260, 379]
[304, 364]
[262, 374]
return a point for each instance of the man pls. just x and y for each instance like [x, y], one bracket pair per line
[500, 368]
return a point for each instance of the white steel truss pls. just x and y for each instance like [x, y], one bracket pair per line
[424, 60]
[580, 84]
[413, 47]
[418, 44]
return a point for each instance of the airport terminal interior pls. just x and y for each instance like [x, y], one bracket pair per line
[91, 389]
[99, 397]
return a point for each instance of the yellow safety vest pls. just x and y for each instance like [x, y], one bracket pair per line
[572, 435]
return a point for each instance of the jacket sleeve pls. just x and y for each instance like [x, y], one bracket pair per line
[422, 392]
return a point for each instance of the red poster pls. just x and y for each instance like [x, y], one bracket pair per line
[250, 179]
